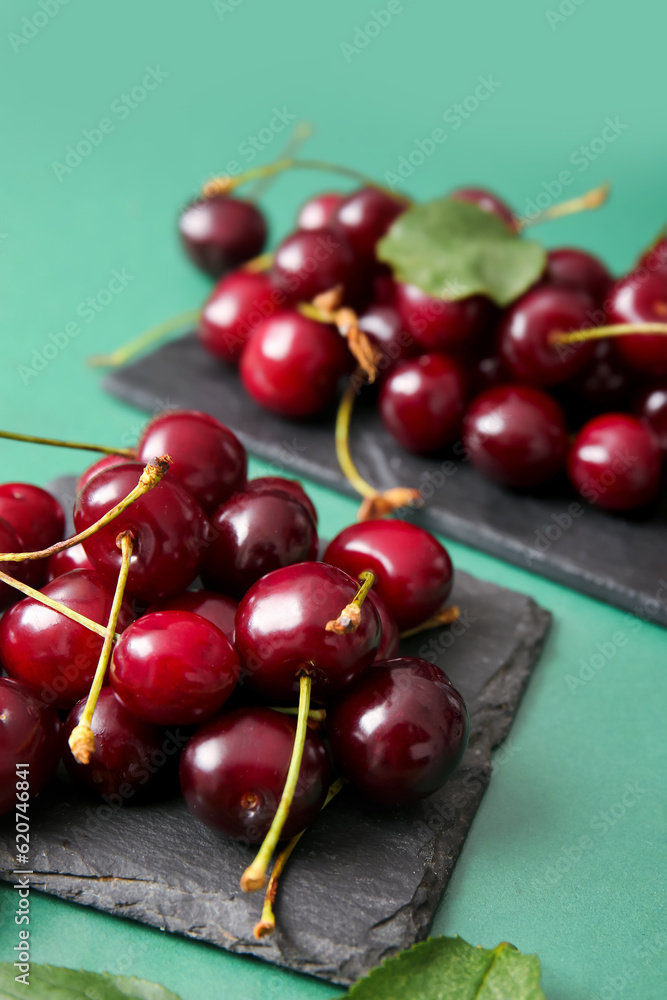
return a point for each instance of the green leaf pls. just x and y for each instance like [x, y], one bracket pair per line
[51, 982]
[451, 249]
[451, 969]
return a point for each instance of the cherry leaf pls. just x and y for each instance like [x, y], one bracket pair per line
[451, 249]
[51, 982]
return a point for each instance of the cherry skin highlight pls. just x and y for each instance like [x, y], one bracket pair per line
[614, 462]
[488, 202]
[313, 261]
[220, 233]
[651, 406]
[568, 267]
[218, 609]
[234, 308]
[422, 403]
[440, 325]
[38, 519]
[319, 212]
[385, 329]
[29, 735]
[66, 560]
[365, 216]
[635, 300]
[264, 484]
[106, 462]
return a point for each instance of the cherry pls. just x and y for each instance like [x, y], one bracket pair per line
[29, 736]
[651, 406]
[312, 261]
[319, 212]
[605, 382]
[10, 541]
[385, 329]
[169, 528]
[281, 632]
[568, 267]
[234, 768]
[439, 325]
[383, 285]
[655, 258]
[515, 435]
[639, 299]
[291, 365]
[128, 751]
[207, 458]
[66, 560]
[106, 462]
[526, 341]
[399, 730]
[216, 608]
[422, 403]
[413, 571]
[365, 216]
[51, 654]
[614, 462]
[234, 308]
[291, 486]
[173, 668]
[37, 518]
[219, 233]
[488, 202]
[254, 533]
[391, 636]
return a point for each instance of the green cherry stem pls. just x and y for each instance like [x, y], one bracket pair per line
[57, 443]
[350, 617]
[615, 330]
[254, 877]
[24, 588]
[583, 203]
[146, 339]
[300, 134]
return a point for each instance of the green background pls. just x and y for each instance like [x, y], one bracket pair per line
[596, 917]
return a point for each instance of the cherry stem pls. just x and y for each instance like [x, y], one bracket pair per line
[57, 443]
[82, 740]
[146, 339]
[223, 185]
[149, 478]
[583, 203]
[267, 924]
[349, 619]
[295, 141]
[314, 715]
[254, 877]
[615, 330]
[50, 603]
[444, 617]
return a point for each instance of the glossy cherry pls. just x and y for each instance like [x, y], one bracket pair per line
[515, 435]
[173, 668]
[51, 654]
[398, 731]
[29, 736]
[385, 328]
[10, 541]
[292, 365]
[221, 232]
[38, 519]
[568, 267]
[641, 299]
[651, 406]
[234, 308]
[391, 636]
[66, 560]
[488, 202]
[281, 632]
[439, 325]
[105, 462]
[253, 534]
[365, 216]
[422, 402]
[413, 571]
[233, 772]
[319, 211]
[291, 486]
[216, 608]
[169, 528]
[207, 458]
[312, 261]
[614, 462]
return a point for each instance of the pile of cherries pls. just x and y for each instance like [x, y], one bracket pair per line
[221, 661]
[495, 387]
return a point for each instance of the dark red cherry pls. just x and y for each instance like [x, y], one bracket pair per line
[51, 654]
[66, 560]
[655, 258]
[365, 216]
[439, 325]
[383, 285]
[651, 406]
[292, 365]
[29, 746]
[391, 636]
[398, 731]
[526, 341]
[106, 462]
[169, 527]
[220, 233]
[173, 668]
[488, 202]
[234, 308]
[216, 608]
[234, 768]
[640, 299]
[385, 328]
[10, 541]
[413, 571]
[614, 462]
[38, 519]
[515, 435]
[319, 211]
[207, 458]
[129, 753]
[568, 267]
[291, 486]
[313, 261]
[422, 403]
[253, 534]
[281, 631]
[606, 381]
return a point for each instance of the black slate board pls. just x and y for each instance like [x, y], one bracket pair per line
[620, 560]
[362, 884]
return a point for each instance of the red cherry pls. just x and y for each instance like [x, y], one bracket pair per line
[29, 736]
[233, 772]
[221, 232]
[655, 258]
[207, 458]
[515, 435]
[216, 608]
[614, 462]
[37, 518]
[385, 328]
[292, 365]
[51, 654]
[640, 299]
[365, 216]
[398, 731]
[651, 406]
[605, 382]
[439, 325]
[313, 261]
[488, 202]
[173, 668]
[66, 560]
[413, 571]
[106, 462]
[568, 267]
[422, 402]
[391, 636]
[291, 486]
[281, 631]
[319, 212]
[234, 308]
[10, 541]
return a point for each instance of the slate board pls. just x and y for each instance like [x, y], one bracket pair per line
[616, 559]
[363, 882]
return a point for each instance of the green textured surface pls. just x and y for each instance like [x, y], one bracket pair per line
[594, 913]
